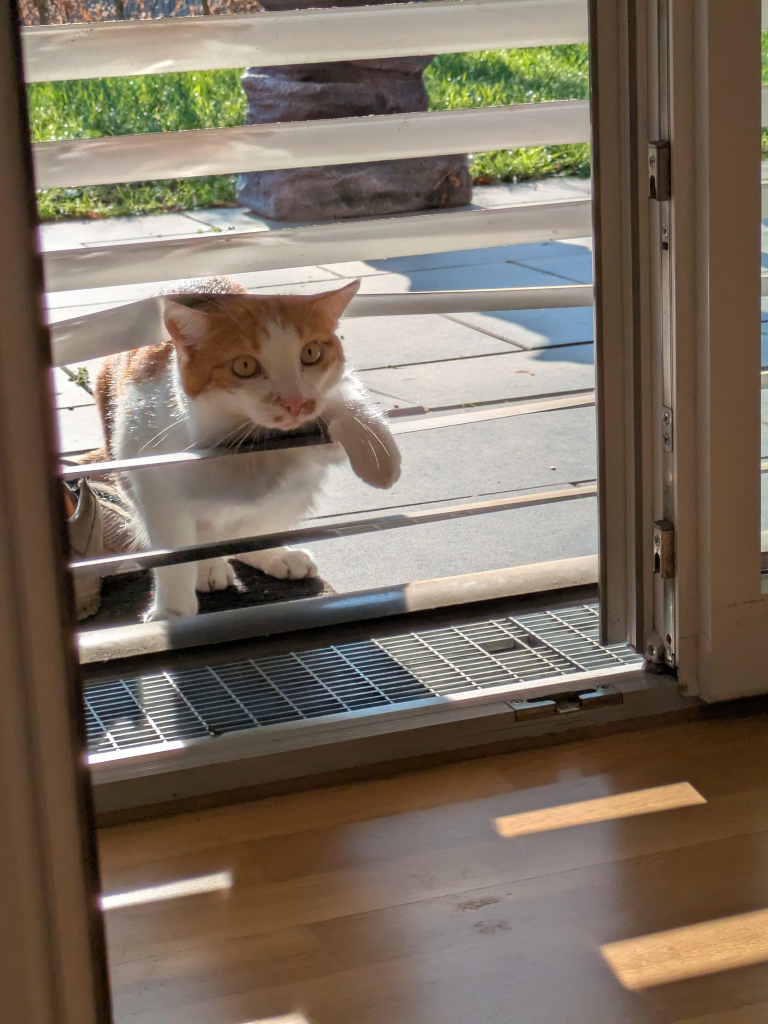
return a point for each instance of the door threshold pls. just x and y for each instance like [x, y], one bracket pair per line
[215, 728]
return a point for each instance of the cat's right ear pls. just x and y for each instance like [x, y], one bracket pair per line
[187, 327]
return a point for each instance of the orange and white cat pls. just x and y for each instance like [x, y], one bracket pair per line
[234, 365]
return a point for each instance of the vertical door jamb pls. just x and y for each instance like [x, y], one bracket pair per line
[716, 127]
[52, 956]
[618, 88]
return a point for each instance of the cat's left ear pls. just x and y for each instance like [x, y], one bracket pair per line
[332, 304]
[186, 326]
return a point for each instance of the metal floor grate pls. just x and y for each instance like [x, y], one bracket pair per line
[215, 699]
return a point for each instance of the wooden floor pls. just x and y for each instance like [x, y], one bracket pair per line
[399, 902]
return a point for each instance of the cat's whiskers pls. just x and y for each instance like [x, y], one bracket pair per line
[238, 443]
[234, 432]
[375, 436]
[219, 442]
[160, 434]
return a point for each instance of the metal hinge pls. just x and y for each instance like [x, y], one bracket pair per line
[664, 548]
[566, 703]
[659, 171]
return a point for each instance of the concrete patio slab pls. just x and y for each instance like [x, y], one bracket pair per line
[389, 341]
[547, 190]
[493, 378]
[477, 275]
[577, 267]
[534, 328]
[68, 394]
[497, 541]
[115, 295]
[76, 234]
[79, 429]
[236, 218]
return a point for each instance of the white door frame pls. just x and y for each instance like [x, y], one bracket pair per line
[722, 641]
[678, 333]
[619, 85]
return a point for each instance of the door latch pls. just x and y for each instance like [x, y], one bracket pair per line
[600, 696]
[659, 171]
[664, 549]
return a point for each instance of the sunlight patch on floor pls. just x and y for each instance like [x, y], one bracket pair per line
[689, 952]
[170, 891]
[604, 808]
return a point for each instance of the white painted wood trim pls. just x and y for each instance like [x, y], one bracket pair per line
[264, 147]
[137, 324]
[110, 49]
[619, 81]
[247, 251]
[723, 647]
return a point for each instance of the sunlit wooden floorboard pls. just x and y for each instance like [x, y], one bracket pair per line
[398, 901]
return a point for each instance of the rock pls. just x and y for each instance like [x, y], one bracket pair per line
[347, 89]
[355, 190]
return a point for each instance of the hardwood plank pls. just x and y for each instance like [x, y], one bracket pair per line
[592, 906]
[560, 919]
[396, 901]
[253, 907]
[755, 1013]
[298, 812]
[586, 770]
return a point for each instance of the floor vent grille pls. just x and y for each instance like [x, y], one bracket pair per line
[170, 706]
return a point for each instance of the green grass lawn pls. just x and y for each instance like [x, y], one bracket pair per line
[214, 99]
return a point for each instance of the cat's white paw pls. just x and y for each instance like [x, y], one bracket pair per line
[371, 449]
[214, 574]
[178, 610]
[283, 563]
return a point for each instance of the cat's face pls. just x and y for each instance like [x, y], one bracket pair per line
[270, 360]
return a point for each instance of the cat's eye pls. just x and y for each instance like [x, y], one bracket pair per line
[245, 366]
[311, 353]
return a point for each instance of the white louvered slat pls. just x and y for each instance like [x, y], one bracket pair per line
[111, 49]
[264, 147]
[136, 324]
[248, 251]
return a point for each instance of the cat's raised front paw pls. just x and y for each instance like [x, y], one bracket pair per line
[214, 574]
[371, 449]
[161, 613]
[282, 563]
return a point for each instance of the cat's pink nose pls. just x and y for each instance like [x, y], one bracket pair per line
[293, 403]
